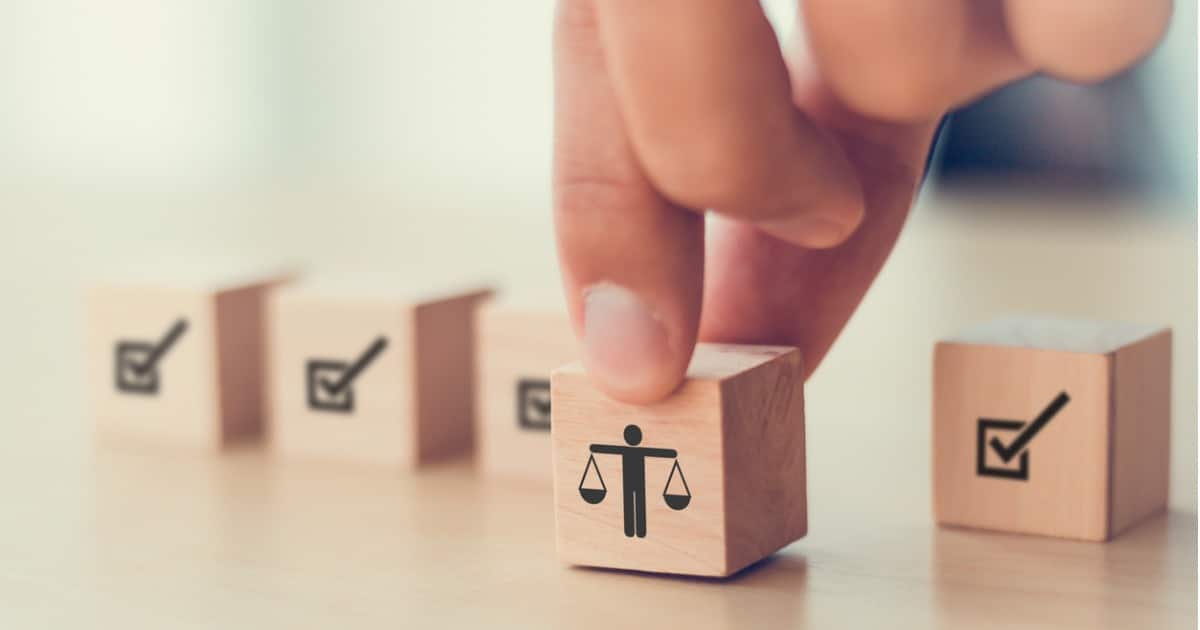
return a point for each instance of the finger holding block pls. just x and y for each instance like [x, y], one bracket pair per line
[175, 355]
[371, 375]
[705, 482]
[1052, 427]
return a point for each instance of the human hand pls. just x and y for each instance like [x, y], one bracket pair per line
[665, 108]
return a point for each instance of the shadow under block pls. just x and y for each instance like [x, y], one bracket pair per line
[1052, 427]
[369, 378]
[518, 349]
[734, 428]
[180, 363]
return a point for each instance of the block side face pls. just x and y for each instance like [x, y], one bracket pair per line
[517, 353]
[687, 539]
[151, 364]
[1141, 441]
[445, 376]
[1053, 482]
[241, 361]
[319, 409]
[766, 484]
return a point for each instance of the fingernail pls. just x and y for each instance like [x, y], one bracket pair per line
[625, 343]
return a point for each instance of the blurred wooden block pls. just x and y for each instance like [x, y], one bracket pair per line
[518, 349]
[1052, 427]
[179, 359]
[727, 449]
[371, 376]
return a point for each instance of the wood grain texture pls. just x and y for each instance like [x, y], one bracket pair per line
[398, 418]
[516, 344]
[1072, 476]
[766, 499]
[736, 426]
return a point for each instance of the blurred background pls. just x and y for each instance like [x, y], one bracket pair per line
[415, 136]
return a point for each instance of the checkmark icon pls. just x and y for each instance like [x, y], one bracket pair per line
[533, 404]
[1017, 446]
[156, 353]
[329, 382]
[136, 362]
[1031, 431]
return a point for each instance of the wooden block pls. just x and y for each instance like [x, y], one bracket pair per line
[706, 482]
[1052, 427]
[518, 349]
[179, 359]
[371, 375]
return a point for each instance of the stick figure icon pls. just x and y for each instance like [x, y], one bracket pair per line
[633, 479]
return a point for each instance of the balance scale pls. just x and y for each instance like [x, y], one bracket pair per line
[674, 500]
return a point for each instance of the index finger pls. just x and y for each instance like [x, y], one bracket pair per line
[705, 94]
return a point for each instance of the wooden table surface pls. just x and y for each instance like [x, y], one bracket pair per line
[135, 538]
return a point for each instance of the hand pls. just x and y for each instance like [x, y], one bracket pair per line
[665, 108]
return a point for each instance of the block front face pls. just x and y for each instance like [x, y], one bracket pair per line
[720, 464]
[1020, 440]
[518, 351]
[598, 490]
[152, 364]
[341, 379]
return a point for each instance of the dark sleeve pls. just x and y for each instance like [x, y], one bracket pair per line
[935, 144]
[607, 448]
[660, 452]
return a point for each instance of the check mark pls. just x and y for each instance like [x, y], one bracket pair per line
[360, 364]
[156, 353]
[541, 405]
[1023, 438]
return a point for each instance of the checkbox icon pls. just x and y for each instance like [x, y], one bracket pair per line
[533, 404]
[1002, 446]
[329, 383]
[136, 363]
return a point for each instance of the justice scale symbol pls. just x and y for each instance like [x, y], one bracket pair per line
[633, 479]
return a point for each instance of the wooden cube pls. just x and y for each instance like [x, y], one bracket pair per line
[519, 347]
[1052, 427]
[369, 375]
[705, 483]
[179, 359]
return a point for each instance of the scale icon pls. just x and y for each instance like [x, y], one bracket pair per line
[633, 479]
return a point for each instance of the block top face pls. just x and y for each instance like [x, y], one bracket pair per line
[717, 361]
[378, 288]
[1064, 335]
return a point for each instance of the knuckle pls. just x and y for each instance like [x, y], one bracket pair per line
[596, 191]
[883, 59]
[1081, 42]
[900, 88]
[705, 175]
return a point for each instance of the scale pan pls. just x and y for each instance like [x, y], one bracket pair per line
[677, 501]
[596, 495]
